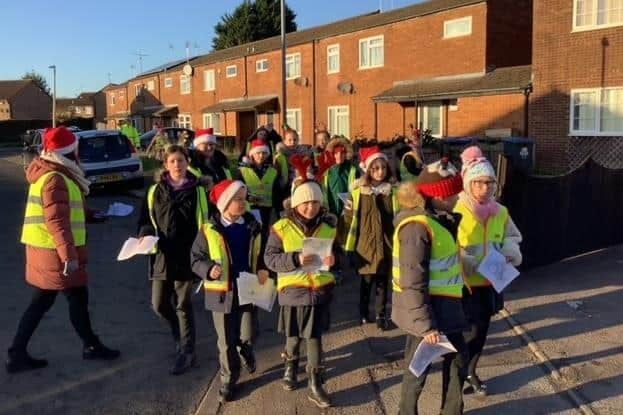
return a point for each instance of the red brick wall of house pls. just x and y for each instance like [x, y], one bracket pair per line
[31, 103]
[509, 33]
[121, 104]
[474, 115]
[564, 60]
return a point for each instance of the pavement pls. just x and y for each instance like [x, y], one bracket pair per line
[569, 309]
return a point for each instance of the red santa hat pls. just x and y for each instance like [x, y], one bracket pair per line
[440, 179]
[59, 140]
[368, 154]
[258, 146]
[205, 135]
[224, 191]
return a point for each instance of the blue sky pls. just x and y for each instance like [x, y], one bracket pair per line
[88, 39]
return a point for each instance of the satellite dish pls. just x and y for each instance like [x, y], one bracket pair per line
[187, 70]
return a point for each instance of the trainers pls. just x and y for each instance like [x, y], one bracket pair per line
[21, 362]
[247, 359]
[99, 352]
[382, 323]
[226, 393]
[183, 362]
[478, 387]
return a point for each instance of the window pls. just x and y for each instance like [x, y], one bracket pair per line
[595, 14]
[112, 99]
[261, 65]
[88, 110]
[293, 66]
[184, 84]
[168, 82]
[137, 89]
[151, 85]
[293, 119]
[270, 117]
[430, 118]
[339, 121]
[231, 71]
[333, 58]
[77, 109]
[212, 120]
[184, 121]
[208, 80]
[597, 111]
[457, 27]
[371, 54]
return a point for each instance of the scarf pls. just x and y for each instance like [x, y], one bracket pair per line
[73, 170]
[482, 211]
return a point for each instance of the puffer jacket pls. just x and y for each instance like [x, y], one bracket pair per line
[175, 215]
[414, 310]
[44, 267]
[279, 261]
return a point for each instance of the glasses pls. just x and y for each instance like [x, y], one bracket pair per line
[483, 183]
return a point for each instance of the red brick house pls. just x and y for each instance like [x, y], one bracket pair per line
[117, 107]
[24, 100]
[576, 109]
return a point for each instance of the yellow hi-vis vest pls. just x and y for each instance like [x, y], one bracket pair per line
[201, 213]
[261, 189]
[282, 162]
[477, 239]
[353, 232]
[219, 253]
[444, 270]
[198, 174]
[292, 239]
[352, 175]
[405, 175]
[35, 231]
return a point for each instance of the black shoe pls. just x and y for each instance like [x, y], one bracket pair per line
[382, 323]
[289, 380]
[225, 393]
[247, 358]
[21, 362]
[183, 362]
[317, 394]
[479, 388]
[99, 352]
[364, 317]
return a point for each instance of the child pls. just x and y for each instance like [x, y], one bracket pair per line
[340, 178]
[484, 223]
[427, 284]
[370, 222]
[224, 247]
[304, 297]
[173, 209]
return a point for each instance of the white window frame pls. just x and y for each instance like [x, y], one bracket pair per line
[423, 116]
[460, 20]
[368, 40]
[151, 85]
[112, 99]
[261, 65]
[594, 25]
[234, 74]
[297, 65]
[185, 121]
[207, 74]
[333, 113]
[598, 108]
[208, 121]
[335, 54]
[168, 82]
[185, 79]
[137, 89]
[298, 118]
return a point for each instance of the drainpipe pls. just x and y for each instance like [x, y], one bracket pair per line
[246, 79]
[526, 120]
[376, 120]
[404, 120]
[314, 91]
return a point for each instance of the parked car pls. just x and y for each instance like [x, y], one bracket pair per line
[172, 134]
[106, 157]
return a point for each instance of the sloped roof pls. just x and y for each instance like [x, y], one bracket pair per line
[267, 102]
[10, 88]
[502, 80]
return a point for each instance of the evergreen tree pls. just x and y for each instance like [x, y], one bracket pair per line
[38, 79]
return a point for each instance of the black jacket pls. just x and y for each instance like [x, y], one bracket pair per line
[175, 216]
[215, 169]
[202, 264]
[414, 310]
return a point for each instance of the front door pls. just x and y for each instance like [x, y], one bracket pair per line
[246, 125]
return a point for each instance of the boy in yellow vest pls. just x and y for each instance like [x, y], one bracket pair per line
[427, 283]
[226, 246]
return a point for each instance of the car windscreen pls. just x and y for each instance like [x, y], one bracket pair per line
[118, 147]
[103, 148]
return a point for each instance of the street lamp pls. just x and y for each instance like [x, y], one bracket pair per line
[53, 67]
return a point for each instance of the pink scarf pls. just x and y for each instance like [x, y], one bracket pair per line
[482, 211]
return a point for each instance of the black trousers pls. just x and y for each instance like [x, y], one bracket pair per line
[380, 281]
[476, 338]
[453, 377]
[164, 295]
[41, 302]
[313, 346]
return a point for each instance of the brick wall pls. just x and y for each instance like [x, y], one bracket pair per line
[509, 32]
[31, 103]
[474, 115]
[566, 60]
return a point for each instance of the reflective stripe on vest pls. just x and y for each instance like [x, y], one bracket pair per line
[261, 189]
[282, 162]
[35, 232]
[406, 175]
[219, 253]
[352, 176]
[351, 239]
[477, 239]
[198, 173]
[444, 270]
[292, 239]
[202, 213]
